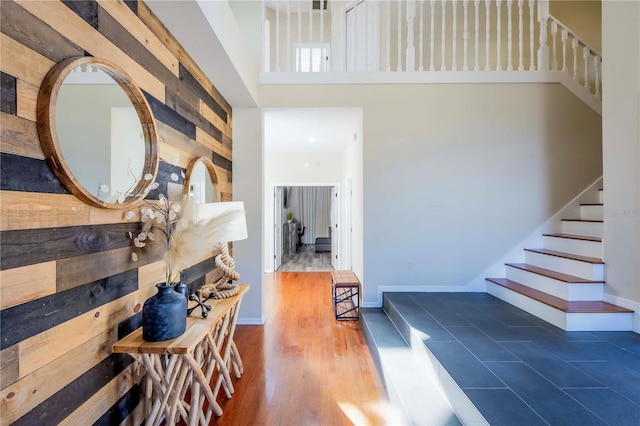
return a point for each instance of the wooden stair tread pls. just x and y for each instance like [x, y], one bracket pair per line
[569, 279]
[583, 220]
[592, 204]
[575, 237]
[556, 302]
[571, 256]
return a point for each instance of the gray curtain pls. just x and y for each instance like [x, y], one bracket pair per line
[311, 207]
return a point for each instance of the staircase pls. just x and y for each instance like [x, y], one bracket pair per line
[563, 282]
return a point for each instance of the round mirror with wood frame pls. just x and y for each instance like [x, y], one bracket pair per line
[195, 182]
[127, 160]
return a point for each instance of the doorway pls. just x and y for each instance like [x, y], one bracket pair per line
[314, 147]
[305, 228]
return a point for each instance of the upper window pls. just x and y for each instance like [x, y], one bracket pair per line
[312, 57]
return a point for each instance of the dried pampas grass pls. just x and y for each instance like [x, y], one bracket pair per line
[192, 240]
[186, 240]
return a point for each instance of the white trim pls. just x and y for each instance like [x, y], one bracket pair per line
[391, 77]
[420, 289]
[626, 303]
[251, 321]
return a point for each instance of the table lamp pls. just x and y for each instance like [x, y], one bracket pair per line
[233, 228]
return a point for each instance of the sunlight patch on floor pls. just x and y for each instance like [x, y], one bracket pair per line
[371, 413]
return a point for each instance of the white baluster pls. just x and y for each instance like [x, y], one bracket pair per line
[411, 49]
[476, 66]
[543, 50]
[465, 34]
[596, 65]
[421, 68]
[444, 25]
[554, 50]
[520, 36]
[499, 36]
[454, 36]
[433, 37]
[321, 26]
[278, 36]
[399, 67]
[509, 35]
[574, 45]
[311, 38]
[298, 54]
[586, 54]
[565, 37]
[365, 35]
[289, 47]
[388, 35]
[532, 65]
[487, 37]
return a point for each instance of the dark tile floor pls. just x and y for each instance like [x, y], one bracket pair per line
[520, 370]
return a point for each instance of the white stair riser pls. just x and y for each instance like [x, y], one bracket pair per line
[591, 212]
[589, 271]
[601, 197]
[568, 322]
[568, 245]
[589, 229]
[571, 292]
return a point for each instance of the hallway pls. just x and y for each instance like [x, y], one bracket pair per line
[306, 259]
[303, 367]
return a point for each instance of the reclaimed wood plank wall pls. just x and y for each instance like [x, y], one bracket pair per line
[68, 289]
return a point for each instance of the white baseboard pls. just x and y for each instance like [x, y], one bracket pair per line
[251, 321]
[421, 289]
[626, 303]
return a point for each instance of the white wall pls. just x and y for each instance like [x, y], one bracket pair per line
[352, 168]
[621, 146]
[455, 175]
[247, 178]
[302, 167]
[583, 17]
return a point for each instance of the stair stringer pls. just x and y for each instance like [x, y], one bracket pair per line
[534, 239]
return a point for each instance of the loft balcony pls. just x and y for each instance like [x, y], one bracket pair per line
[424, 41]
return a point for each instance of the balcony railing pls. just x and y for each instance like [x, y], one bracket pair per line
[408, 36]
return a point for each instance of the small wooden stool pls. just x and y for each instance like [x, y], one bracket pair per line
[345, 289]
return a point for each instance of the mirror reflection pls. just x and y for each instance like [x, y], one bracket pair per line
[201, 181]
[100, 134]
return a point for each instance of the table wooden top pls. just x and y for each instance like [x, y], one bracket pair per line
[343, 278]
[197, 328]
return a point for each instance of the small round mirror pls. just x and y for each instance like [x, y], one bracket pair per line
[97, 132]
[200, 182]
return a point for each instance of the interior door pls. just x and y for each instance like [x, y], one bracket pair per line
[335, 235]
[363, 36]
[277, 227]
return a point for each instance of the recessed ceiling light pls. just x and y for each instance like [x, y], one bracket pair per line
[313, 140]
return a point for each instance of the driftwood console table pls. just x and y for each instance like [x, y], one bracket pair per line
[190, 362]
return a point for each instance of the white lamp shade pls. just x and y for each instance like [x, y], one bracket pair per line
[234, 227]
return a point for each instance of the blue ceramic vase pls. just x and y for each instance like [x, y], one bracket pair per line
[164, 315]
[183, 289]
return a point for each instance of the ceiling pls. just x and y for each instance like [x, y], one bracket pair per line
[310, 129]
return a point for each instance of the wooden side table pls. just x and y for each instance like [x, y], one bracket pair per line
[189, 362]
[345, 290]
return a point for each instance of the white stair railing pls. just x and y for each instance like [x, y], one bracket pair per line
[428, 35]
[582, 62]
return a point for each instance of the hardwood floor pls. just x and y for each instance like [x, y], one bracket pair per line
[303, 367]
